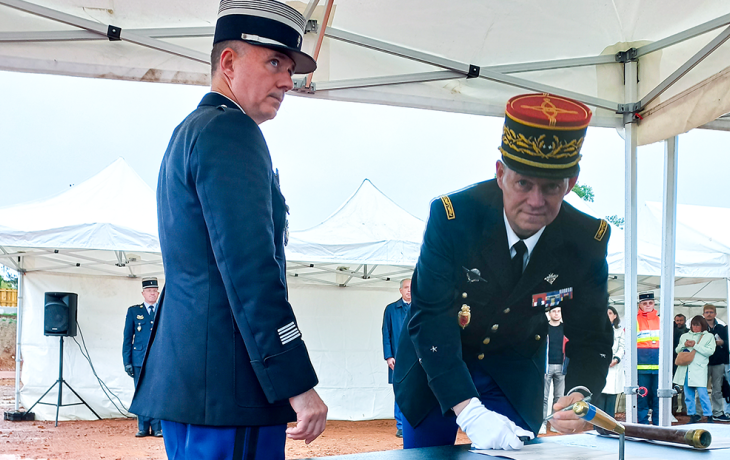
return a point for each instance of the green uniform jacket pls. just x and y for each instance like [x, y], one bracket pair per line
[507, 327]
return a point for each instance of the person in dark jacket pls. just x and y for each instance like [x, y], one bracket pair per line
[495, 256]
[718, 363]
[226, 368]
[680, 327]
[137, 328]
[393, 319]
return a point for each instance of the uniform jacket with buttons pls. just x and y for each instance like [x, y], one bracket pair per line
[137, 328]
[506, 334]
[226, 349]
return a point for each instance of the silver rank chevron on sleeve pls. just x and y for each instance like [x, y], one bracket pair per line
[288, 333]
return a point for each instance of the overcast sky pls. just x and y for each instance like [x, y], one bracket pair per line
[57, 131]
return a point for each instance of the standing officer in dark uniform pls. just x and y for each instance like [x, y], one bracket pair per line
[137, 328]
[495, 257]
[226, 368]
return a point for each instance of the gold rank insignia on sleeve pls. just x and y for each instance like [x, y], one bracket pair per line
[602, 228]
[448, 207]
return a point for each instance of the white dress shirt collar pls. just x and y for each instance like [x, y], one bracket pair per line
[512, 238]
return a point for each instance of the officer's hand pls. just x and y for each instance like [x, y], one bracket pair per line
[567, 421]
[391, 363]
[311, 416]
[489, 430]
[129, 369]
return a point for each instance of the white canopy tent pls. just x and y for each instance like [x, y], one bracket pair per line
[661, 61]
[369, 232]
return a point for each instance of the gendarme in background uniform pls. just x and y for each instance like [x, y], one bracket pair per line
[494, 257]
[226, 368]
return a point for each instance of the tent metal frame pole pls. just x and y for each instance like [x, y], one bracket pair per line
[541, 88]
[467, 70]
[388, 80]
[19, 330]
[684, 35]
[686, 67]
[396, 50]
[669, 240]
[309, 10]
[630, 248]
[553, 64]
[320, 37]
[103, 30]
[727, 299]
[86, 35]
[6, 255]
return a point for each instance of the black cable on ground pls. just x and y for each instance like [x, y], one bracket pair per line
[104, 387]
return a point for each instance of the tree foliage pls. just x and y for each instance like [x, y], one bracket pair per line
[8, 278]
[616, 220]
[585, 192]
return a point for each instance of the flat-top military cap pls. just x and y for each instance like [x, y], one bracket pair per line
[543, 135]
[646, 296]
[149, 282]
[266, 23]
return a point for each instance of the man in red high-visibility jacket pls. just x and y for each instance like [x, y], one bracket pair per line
[647, 357]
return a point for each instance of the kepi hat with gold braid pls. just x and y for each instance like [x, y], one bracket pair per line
[268, 23]
[543, 135]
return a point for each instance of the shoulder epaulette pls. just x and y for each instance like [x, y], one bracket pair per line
[602, 229]
[448, 207]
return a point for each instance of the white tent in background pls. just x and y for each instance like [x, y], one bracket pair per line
[106, 225]
[369, 232]
[96, 239]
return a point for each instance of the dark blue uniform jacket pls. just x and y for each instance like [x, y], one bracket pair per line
[137, 328]
[507, 332]
[225, 349]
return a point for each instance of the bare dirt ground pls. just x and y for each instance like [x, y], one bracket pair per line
[114, 439]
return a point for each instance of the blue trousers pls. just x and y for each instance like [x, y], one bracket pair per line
[651, 401]
[145, 423]
[196, 442]
[438, 430]
[689, 398]
[398, 417]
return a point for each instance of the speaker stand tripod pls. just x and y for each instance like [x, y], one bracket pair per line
[61, 382]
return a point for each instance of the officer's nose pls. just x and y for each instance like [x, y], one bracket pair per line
[535, 198]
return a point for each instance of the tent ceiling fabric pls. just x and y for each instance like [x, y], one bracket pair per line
[169, 41]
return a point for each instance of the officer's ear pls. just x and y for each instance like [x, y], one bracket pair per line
[571, 183]
[501, 170]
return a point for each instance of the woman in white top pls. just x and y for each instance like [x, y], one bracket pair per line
[694, 375]
[615, 378]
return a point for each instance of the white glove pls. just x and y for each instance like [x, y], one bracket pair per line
[489, 430]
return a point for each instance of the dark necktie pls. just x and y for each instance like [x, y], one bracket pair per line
[517, 261]
[152, 311]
